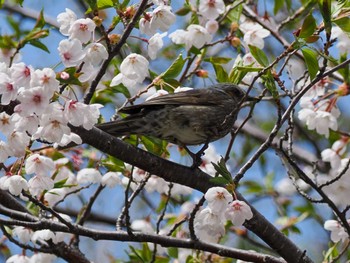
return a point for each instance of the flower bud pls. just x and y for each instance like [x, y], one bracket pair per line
[234, 27]
[114, 38]
[202, 73]
[235, 42]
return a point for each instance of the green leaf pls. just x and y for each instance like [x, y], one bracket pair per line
[278, 5]
[92, 4]
[60, 183]
[38, 44]
[221, 74]
[259, 55]
[184, 10]
[36, 33]
[217, 60]
[40, 22]
[113, 164]
[173, 252]
[343, 23]
[221, 168]
[121, 89]
[155, 145]
[310, 57]
[234, 15]
[103, 4]
[308, 27]
[219, 180]
[175, 68]
[20, 2]
[269, 83]
[325, 8]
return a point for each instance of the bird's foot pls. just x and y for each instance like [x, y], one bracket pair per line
[197, 157]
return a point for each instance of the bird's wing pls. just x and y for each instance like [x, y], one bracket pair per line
[191, 97]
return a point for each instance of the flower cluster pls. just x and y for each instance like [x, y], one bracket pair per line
[209, 223]
[318, 112]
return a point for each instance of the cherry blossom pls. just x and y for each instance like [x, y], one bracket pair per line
[238, 212]
[34, 100]
[6, 123]
[27, 124]
[95, 53]
[338, 233]
[162, 18]
[15, 184]
[133, 69]
[4, 151]
[89, 175]
[218, 199]
[333, 155]
[8, 89]
[23, 234]
[43, 258]
[111, 179]
[142, 226]
[71, 52]
[195, 35]
[82, 30]
[81, 114]
[211, 9]
[53, 124]
[135, 66]
[45, 78]
[39, 183]
[17, 143]
[39, 164]
[44, 235]
[18, 259]
[212, 26]
[208, 226]
[66, 19]
[155, 43]
[254, 34]
[145, 25]
[319, 118]
[21, 74]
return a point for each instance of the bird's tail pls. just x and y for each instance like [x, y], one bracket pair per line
[121, 127]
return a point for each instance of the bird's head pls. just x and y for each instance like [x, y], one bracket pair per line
[234, 91]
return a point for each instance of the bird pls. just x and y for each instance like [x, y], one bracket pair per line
[192, 117]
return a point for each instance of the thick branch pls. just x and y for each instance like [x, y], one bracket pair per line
[194, 178]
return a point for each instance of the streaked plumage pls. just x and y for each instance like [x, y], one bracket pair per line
[186, 118]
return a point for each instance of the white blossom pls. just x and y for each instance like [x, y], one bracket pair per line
[89, 175]
[95, 53]
[66, 19]
[218, 199]
[162, 18]
[338, 233]
[23, 234]
[238, 212]
[211, 9]
[111, 179]
[208, 226]
[71, 52]
[82, 29]
[39, 164]
[155, 43]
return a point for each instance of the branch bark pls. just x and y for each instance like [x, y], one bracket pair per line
[194, 178]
